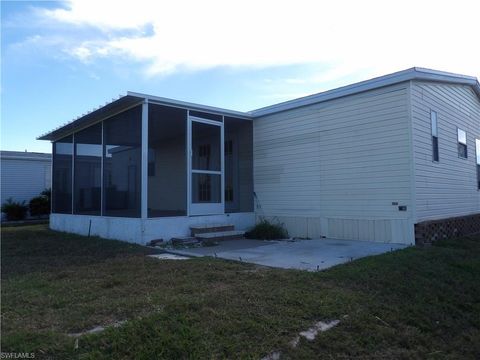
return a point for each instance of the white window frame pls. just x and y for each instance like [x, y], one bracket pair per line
[434, 133]
[460, 142]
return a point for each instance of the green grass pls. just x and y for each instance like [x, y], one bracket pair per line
[415, 303]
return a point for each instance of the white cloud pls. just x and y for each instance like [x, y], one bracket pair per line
[82, 52]
[370, 36]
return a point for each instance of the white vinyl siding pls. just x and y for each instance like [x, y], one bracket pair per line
[447, 188]
[24, 179]
[341, 162]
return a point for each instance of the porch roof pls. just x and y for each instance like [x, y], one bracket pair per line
[96, 115]
[127, 101]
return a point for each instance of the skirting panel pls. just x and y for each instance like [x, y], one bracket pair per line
[398, 231]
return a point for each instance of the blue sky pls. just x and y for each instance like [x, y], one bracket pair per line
[61, 59]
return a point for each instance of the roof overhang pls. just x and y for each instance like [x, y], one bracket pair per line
[192, 106]
[125, 102]
[386, 80]
[104, 112]
[132, 99]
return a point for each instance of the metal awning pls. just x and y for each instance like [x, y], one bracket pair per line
[93, 117]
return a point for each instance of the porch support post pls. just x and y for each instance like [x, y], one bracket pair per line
[144, 182]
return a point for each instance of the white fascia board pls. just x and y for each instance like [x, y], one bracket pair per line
[191, 106]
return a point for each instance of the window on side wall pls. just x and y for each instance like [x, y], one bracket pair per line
[462, 143]
[433, 121]
[477, 153]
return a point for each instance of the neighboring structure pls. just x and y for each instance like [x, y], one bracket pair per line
[24, 175]
[366, 161]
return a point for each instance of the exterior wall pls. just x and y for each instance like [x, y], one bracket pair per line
[23, 179]
[447, 188]
[142, 231]
[337, 168]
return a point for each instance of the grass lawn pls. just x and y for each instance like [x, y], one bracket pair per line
[413, 303]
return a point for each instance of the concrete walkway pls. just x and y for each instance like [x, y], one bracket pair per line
[299, 254]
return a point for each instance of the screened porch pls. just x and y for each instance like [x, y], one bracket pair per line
[153, 159]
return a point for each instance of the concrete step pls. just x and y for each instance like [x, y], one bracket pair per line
[187, 240]
[221, 235]
[210, 228]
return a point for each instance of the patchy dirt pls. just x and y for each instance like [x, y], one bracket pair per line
[320, 326]
[167, 256]
[312, 332]
[309, 334]
[273, 356]
[98, 329]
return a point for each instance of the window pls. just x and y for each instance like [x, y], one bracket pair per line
[433, 120]
[462, 143]
[204, 155]
[204, 193]
[477, 153]
[206, 188]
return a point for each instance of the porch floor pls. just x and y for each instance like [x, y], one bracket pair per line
[309, 255]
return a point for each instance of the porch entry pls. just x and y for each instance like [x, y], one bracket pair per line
[206, 166]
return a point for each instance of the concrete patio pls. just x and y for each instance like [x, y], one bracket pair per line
[309, 255]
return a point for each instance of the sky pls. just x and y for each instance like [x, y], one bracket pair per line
[62, 59]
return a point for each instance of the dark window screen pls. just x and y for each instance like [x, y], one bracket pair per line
[122, 164]
[62, 176]
[87, 171]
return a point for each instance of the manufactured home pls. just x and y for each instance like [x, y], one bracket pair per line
[24, 175]
[368, 161]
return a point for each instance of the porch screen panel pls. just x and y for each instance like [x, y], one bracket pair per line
[87, 171]
[238, 150]
[62, 176]
[122, 164]
[167, 162]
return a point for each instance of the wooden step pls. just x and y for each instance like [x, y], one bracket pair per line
[221, 235]
[187, 240]
[210, 228]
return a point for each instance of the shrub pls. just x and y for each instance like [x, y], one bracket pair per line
[265, 230]
[14, 210]
[47, 193]
[39, 205]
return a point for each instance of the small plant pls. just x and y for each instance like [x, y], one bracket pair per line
[39, 205]
[14, 210]
[265, 230]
